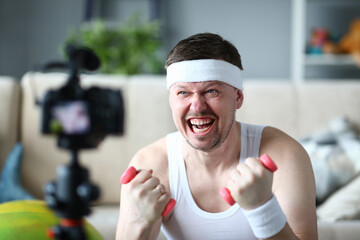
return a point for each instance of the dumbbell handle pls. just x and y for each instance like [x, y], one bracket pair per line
[266, 161]
[129, 175]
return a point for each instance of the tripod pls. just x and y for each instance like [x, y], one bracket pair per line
[69, 197]
[97, 112]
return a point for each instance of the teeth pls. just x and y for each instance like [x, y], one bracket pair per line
[200, 125]
[199, 130]
[200, 121]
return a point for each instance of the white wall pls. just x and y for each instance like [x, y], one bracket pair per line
[32, 30]
[259, 29]
[13, 50]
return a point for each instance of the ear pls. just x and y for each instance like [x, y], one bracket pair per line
[239, 98]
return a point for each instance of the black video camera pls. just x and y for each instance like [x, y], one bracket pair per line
[81, 118]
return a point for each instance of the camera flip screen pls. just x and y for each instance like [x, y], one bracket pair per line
[70, 117]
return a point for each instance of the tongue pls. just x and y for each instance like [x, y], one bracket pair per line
[202, 126]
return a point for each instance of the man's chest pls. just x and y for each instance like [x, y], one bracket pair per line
[205, 192]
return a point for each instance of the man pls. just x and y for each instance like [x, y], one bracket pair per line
[211, 151]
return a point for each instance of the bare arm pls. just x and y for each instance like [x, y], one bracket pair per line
[293, 185]
[131, 226]
[141, 203]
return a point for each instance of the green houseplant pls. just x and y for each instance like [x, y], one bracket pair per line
[128, 48]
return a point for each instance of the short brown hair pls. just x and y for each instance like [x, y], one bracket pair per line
[204, 46]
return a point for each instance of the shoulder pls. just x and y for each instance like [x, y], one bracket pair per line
[288, 154]
[279, 143]
[153, 156]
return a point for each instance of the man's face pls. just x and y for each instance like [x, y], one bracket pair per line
[204, 112]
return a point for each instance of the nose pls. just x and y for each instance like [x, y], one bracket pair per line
[198, 103]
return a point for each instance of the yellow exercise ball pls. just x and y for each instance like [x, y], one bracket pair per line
[31, 219]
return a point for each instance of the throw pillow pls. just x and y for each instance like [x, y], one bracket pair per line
[10, 184]
[342, 205]
[334, 154]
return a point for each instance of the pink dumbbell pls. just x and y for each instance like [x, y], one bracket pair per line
[266, 161]
[130, 173]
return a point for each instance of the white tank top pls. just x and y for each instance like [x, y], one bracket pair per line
[188, 221]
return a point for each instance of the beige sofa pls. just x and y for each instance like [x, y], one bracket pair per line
[297, 109]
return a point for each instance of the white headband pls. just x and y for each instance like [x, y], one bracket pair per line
[204, 70]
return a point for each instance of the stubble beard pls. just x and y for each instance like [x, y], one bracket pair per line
[217, 139]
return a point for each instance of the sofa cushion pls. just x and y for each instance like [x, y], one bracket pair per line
[104, 218]
[149, 116]
[342, 230]
[342, 205]
[270, 103]
[320, 101]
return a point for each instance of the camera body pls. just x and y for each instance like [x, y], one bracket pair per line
[81, 118]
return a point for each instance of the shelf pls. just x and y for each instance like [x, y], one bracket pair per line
[334, 1]
[329, 59]
[324, 13]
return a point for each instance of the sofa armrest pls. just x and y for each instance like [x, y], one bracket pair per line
[9, 119]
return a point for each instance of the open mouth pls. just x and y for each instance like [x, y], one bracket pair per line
[200, 125]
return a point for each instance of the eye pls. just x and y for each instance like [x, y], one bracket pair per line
[182, 93]
[212, 92]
